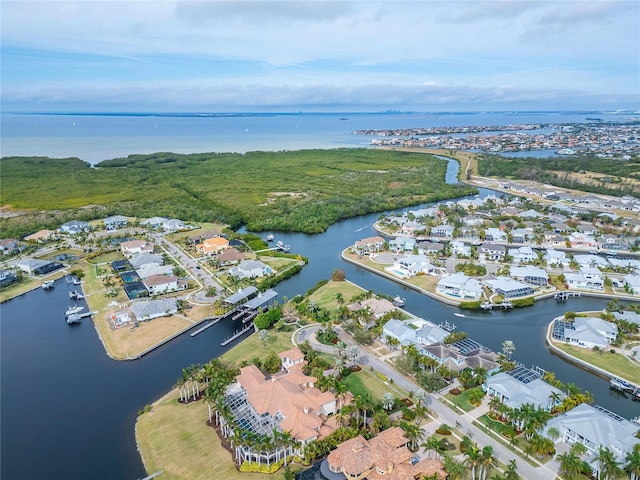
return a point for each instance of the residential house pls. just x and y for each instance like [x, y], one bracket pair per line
[290, 358]
[460, 286]
[34, 266]
[628, 316]
[556, 258]
[587, 332]
[230, 256]
[150, 309]
[555, 240]
[74, 227]
[523, 254]
[383, 457]
[591, 260]
[40, 236]
[404, 332]
[442, 231]
[377, 307]
[370, 245]
[139, 260]
[531, 275]
[159, 284]
[429, 334]
[212, 245]
[133, 247]
[460, 249]
[402, 244]
[154, 222]
[595, 428]
[250, 269]
[470, 234]
[610, 242]
[472, 221]
[7, 277]
[151, 269]
[632, 282]
[630, 263]
[9, 246]
[491, 251]
[582, 240]
[115, 222]
[173, 225]
[410, 227]
[520, 235]
[508, 287]
[531, 213]
[495, 235]
[464, 354]
[523, 386]
[430, 248]
[587, 278]
[411, 265]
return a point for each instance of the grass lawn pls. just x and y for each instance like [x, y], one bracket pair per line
[367, 381]
[175, 438]
[253, 347]
[325, 296]
[614, 363]
[462, 400]
[107, 257]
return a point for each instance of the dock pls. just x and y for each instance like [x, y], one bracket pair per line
[75, 295]
[76, 317]
[490, 305]
[204, 327]
[565, 294]
[237, 334]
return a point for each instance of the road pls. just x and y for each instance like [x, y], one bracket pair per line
[444, 414]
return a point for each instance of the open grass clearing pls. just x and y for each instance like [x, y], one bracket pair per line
[325, 296]
[462, 400]
[614, 363]
[368, 381]
[253, 347]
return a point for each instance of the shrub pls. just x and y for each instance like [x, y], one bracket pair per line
[444, 429]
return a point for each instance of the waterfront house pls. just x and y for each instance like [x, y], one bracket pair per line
[411, 265]
[523, 254]
[632, 282]
[531, 275]
[595, 427]
[242, 295]
[133, 247]
[429, 334]
[410, 227]
[460, 286]
[150, 309]
[151, 269]
[377, 308]
[383, 457]
[404, 332]
[628, 316]
[466, 353]
[212, 245]
[508, 287]
[491, 251]
[74, 227]
[287, 401]
[402, 244]
[430, 248]
[7, 277]
[369, 245]
[250, 269]
[173, 225]
[587, 332]
[34, 266]
[40, 236]
[159, 284]
[521, 386]
[115, 222]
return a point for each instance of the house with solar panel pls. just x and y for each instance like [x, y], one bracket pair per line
[523, 385]
[596, 427]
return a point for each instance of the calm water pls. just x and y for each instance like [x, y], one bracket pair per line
[68, 411]
[98, 137]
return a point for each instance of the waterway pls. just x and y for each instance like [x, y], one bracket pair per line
[68, 411]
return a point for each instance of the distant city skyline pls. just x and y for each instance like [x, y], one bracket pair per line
[330, 56]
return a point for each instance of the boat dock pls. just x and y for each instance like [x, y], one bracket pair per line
[75, 295]
[562, 296]
[239, 333]
[49, 284]
[76, 317]
[490, 305]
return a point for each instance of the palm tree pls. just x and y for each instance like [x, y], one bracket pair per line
[454, 468]
[553, 433]
[340, 390]
[486, 460]
[570, 464]
[413, 433]
[387, 401]
[542, 446]
[432, 445]
[473, 455]
[608, 465]
[511, 472]
[632, 465]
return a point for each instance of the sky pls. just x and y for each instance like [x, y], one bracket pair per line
[253, 56]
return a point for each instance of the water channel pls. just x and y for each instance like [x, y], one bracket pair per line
[68, 411]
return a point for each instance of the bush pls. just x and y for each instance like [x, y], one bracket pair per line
[253, 467]
[522, 302]
[444, 429]
[471, 305]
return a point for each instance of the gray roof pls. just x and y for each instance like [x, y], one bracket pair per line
[629, 316]
[241, 295]
[260, 300]
[140, 259]
[517, 393]
[528, 271]
[148, 309]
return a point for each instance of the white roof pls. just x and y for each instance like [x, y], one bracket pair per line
[518, 393]
[528, 271]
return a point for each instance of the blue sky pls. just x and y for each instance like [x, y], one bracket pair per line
[204, 56]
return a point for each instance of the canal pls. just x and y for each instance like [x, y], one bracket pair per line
[68, 411]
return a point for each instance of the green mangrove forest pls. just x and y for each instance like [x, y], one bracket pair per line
[305, 191]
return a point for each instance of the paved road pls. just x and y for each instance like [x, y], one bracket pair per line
[444, 414]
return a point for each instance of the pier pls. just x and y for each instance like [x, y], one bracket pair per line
[490, 305]
[239, 333]
[76, 317]
[562, 296]
[203, 328]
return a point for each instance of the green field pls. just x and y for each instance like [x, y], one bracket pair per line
[305, 190]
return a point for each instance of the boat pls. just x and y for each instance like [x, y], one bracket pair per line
[270, 237]
[635, 419]
[461, 315]
[73, 310]
[399, 301]
[619, 384]
[73, 319]
[75, 295]
[48, 285]
[280, 244]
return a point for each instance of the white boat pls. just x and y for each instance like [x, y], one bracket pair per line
[73, 319]
[270, 237]
[47, 285]
[398, 301]
[622, 385]
[459, 314]
[73, 310]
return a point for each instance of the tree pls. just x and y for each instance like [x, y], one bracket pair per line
[433, 446]
[413, 433]
[508, 347]
[608, 465]
[632, 465]
[570, 464]
[486, 460]
[473, 455]
[511, 472]
[263, 335]
[387, 401]
[380, 421]
[454, 468]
